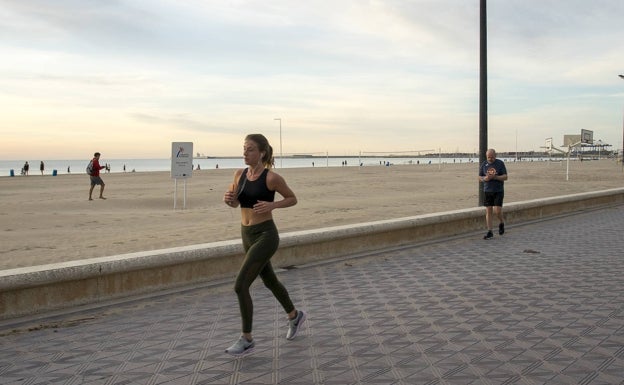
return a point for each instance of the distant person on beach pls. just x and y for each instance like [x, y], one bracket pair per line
[254, 191]
[95, 176]
[26, 167]
[41, 167]
[493, 175]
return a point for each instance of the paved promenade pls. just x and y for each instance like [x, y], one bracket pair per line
[543, 304]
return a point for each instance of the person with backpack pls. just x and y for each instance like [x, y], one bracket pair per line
[93, 169]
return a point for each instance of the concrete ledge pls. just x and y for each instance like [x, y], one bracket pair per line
[37, 289]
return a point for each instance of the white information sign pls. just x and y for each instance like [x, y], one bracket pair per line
[181, 160]
[181, 166]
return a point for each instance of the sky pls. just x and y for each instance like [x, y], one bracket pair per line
[346, 77]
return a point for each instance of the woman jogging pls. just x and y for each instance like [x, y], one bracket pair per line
[254, 191]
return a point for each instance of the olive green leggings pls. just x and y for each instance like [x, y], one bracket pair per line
[260, 243]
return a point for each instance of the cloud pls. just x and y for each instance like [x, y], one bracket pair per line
[351, 75]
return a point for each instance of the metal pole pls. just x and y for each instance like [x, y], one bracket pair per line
[568, 164]
[184, 204]
[516, 144]
[439, 158]
[599, 149]
[483, 95]
[622, 77]
[281, 154]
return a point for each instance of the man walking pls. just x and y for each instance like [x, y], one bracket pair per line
[493, 175]
[95, 176]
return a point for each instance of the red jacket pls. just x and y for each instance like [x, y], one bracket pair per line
[96, 167]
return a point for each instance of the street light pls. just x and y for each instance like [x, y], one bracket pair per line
[281, 155]
[483, 99]
[622, 77]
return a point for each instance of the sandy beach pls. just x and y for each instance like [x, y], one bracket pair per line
[48, 219]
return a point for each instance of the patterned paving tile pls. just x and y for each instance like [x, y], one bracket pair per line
[541, 305]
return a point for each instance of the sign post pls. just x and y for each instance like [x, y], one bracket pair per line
[181, 166]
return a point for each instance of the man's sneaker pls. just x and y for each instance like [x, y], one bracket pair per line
[294, 324]
[501, 228]
[489, 235]
[240, 347]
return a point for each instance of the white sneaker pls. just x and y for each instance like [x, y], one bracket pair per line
[240, 347]
[295, 324]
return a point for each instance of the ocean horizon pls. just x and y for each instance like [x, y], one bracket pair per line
[78, 166]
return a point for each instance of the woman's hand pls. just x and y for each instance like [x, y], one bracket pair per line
[230, 198]
[263, 207]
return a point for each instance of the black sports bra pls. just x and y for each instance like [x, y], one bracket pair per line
[250, 192]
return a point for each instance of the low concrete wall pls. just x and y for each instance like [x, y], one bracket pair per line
[37, 289]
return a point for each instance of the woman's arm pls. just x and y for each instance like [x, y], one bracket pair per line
[230, 198]
[276, 182]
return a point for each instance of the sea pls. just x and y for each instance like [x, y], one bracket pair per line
[72, 166]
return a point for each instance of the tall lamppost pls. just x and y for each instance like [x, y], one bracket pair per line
[483, 99]
[281, 155]
[622, 77]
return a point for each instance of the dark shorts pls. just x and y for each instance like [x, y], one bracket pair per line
[96, 180]
[493, 199]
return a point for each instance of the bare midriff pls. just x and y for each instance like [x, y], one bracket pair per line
[250, 218]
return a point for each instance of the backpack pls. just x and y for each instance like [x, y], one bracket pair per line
[90, 167]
